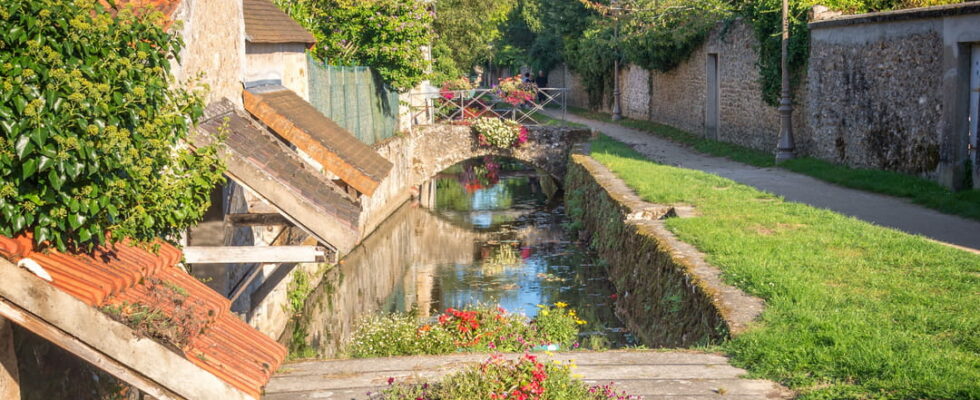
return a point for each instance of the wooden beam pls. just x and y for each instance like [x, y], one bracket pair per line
[68, 342]
[9, 376]
[253, 254]
[257, 219]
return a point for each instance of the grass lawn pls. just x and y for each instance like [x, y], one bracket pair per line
[920, 191]
[852, 310]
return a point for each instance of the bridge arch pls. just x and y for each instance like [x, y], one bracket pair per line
[441, 146]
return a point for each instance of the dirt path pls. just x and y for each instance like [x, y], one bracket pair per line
[875, 208]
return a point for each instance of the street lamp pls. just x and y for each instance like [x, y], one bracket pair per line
[617, 113]
[786, 149]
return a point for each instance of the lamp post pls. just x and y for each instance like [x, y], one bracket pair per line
[617, 113]
[786, 149]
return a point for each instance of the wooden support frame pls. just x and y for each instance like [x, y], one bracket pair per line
[257, 219]
[85, 331]
[68, 342]
[253, 254]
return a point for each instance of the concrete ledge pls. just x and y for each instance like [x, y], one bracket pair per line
[669, 296]
[899, 15]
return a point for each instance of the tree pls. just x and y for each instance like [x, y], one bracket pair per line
[466, 31]
[92, 127]
[387, 35]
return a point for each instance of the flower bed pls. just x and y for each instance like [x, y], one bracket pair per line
[482, 329]
[526, 378]
[515, 91]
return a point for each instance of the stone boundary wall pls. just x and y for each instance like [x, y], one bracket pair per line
[669, 296]
[891, 90]
[678, 97]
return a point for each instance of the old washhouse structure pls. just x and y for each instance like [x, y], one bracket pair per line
[283, 157]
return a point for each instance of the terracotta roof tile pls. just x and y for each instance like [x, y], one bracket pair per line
[336, 149]
[266, 23]
[217, 340]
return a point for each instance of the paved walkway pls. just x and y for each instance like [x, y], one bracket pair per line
[676, 375]
[879, 209]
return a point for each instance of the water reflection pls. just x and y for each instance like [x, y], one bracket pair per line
[494, 235]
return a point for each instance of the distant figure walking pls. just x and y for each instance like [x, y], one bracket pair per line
[527, 77]
[542, 81]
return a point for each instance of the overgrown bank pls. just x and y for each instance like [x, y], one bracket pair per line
[852, 310]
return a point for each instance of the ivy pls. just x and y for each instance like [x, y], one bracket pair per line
[386, 35]
[766, 19]
[92, 126]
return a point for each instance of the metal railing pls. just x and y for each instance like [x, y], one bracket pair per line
[455, 106]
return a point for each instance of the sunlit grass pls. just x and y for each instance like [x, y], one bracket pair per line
[852, 310]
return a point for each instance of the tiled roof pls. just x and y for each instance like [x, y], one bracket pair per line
[336, 149]
[255, 148]
[124, 274]
[266, 23]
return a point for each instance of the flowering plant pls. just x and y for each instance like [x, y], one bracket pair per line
[483, 329]
[500, 378]
[499, 132]
[515, 91]
[448, 89]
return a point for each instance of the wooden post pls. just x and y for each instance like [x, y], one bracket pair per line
[9, 375]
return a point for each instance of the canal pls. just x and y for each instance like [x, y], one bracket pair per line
[493, 231]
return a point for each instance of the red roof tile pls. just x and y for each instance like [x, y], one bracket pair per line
[217, 340]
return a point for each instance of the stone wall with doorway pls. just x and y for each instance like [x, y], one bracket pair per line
[891, 90]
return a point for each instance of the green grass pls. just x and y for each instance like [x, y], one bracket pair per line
[920, 191]
[544, 119]
[852, 310]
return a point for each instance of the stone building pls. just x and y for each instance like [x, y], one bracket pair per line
[893, 90]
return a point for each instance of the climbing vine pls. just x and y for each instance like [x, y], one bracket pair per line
[92, 127]
[766, 19]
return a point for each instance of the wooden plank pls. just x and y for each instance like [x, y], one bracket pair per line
[253, 219]
[9, 376]
[253, 254]
[68, 342]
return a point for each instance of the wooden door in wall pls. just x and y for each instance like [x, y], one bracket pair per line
[711, 101]
[975, 113]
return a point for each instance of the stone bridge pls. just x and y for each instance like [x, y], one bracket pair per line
[421, 155]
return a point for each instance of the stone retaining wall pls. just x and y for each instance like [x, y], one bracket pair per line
[668, 295]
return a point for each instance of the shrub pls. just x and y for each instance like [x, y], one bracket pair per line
[498, 378]
[386, 35]
[92, 125]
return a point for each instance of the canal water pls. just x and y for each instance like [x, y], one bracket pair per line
[493, 232]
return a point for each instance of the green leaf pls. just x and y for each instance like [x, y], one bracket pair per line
[56, 179]
[76, 220]
[41, 234]
[84, 235]
[18, 222]
[28, 168]
[39, 135]
[23, 147]
[44, 163]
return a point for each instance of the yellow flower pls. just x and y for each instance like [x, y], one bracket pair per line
[544, 312]
[541, 306]
[561, 304]
[580, 322]
[571, 313]
[549, 353]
